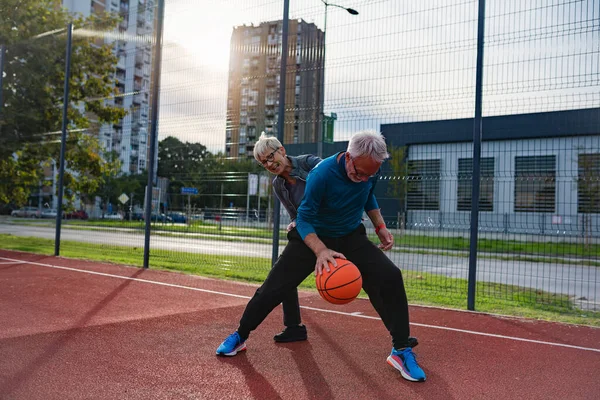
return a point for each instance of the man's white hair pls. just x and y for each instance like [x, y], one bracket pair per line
[265, 144]
[370, 144]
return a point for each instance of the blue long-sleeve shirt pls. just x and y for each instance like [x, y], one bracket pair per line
[333, 205]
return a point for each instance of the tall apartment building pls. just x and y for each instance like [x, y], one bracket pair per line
[129, 137]
[254, 82]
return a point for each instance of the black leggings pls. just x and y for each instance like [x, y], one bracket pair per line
[382, 281]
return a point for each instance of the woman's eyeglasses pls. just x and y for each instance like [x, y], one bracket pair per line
[269, 158]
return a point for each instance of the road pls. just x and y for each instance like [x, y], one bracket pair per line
[580, 282]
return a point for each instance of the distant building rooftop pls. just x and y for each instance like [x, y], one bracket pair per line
[505, 127]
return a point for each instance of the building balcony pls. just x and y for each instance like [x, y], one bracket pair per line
[139, 98]
[143, 29]
[120, 75]
[139, 59]
[121, 61]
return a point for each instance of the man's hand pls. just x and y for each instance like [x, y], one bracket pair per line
[386, 238]
[324, 257]
[291, 226]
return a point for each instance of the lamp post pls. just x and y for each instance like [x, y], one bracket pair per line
[320, 130]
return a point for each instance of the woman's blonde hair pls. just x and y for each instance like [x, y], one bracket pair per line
[265, 144]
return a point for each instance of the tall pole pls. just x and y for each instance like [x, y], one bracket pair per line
[323, 124]
[280, 120]
[156, 67]
[322, 121]
[248, 199]
[63, 139]
[2, 56]
[476, 180]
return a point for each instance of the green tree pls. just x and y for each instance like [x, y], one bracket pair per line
[230, 177]
[108, 185]
[133, 186]
[31, 116]
[185, 165]
[19, 174]
[188, 164]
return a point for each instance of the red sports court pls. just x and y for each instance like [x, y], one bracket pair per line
[78, 329]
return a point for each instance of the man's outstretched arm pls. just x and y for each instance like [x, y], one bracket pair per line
[385, 236]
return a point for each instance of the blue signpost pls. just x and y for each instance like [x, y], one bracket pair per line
[189, 191]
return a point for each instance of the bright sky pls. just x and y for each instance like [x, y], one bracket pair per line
[397, 61]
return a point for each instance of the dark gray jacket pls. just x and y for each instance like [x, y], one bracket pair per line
[301, 166]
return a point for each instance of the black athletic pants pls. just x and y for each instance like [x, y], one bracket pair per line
[382, 281]
[291, 308]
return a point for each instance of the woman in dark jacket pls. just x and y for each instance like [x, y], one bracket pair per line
[288, 185]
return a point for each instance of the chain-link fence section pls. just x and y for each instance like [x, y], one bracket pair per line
[204, 90]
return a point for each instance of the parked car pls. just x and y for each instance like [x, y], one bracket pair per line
[7, 209]
[136, 216]
[80, 214]
[113, 216]
[49, 213]
[26, 212]
[177, 217]
[224, 214]
[160, 218]
[197, 217]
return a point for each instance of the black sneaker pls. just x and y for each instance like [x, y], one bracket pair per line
[412, 341]
[291, 334]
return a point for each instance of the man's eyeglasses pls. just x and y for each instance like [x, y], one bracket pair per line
[269, 158]
[358, 174]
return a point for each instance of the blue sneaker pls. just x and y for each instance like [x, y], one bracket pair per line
[231, 345]
[405, 361]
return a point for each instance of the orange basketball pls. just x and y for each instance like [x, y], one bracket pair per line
[342, 284]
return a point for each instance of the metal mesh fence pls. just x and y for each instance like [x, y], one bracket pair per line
[406, 69]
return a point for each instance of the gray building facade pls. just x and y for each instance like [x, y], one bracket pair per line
[540, 173]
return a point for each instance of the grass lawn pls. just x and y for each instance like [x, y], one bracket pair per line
[533, 251]
[426, 289]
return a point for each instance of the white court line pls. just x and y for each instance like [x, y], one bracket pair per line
[353, 314]
[10, 262]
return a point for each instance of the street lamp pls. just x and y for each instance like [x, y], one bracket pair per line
[350, 11]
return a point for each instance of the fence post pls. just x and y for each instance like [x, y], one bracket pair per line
[63, 140]
[280, 121]
[543, 223]
[476, 161]
[2, 56]
[156, 64]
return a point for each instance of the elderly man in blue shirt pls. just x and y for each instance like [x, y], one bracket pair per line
[329, 226]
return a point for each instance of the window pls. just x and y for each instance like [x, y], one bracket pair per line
[465, 184]
[423, 185]
[588, 183]
[535, 183]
